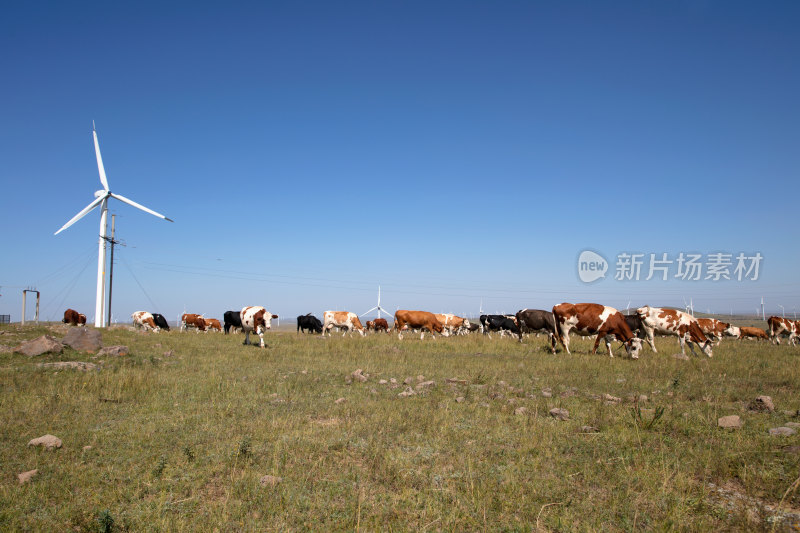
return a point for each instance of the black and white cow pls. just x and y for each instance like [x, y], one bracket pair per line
[309, 322]
[501, 323]
[232, 319]
[160, 321]
[537, 320]
[635, 323]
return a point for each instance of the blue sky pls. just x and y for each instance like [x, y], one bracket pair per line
[452, 152]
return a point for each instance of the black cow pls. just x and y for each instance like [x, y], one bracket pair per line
[499, 323]
[537, 320]
[309, 322]
[160, 321]
[635, 323]
[232, 319]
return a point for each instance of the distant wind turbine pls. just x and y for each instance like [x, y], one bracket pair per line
[378, 307]
[101, 199]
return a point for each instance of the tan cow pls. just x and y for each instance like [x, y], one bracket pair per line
[716, 329]
[258, 319]
[379, 324]
[213, 323]
[673, 322]
[452, 323]
[421, 320]
[746, 332]
[191, 320]
[74, 318]
[588, 319]
[341, 319]
[778, 326]
[144, 320]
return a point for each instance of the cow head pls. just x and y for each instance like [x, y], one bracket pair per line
[633, 347]
[731, 331]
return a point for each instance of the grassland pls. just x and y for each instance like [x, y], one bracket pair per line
[184, 428]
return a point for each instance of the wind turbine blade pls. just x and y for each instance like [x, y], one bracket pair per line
[139, 206]
[83, 213]
[100, 167]
[371, 310]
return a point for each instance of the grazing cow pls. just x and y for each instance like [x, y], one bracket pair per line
[258, 319]
[232, 319]
[309, 322]
[212, 323]
[452, 323]
[421, 320]
[144, 320]
[191, 320]
[501, 323]
[341, 319]
[778, 326]
[716, 329]
[537, 320]
[673, 322]
[379, 324]
[160, 321]
[588, 319]
[472, 328]
[746, 332]
[73, 317]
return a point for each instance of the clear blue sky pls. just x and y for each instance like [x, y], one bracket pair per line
[452, 152]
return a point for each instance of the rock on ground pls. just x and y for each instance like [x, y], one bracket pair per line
[25, 477]
[406, 393]
[730, 421]
[78, 365]
[269, 480]
[84, 339]
[425, 384]
[113, 351]
[559, 413]
[358, 375]
[48, 441]
[44, 344]
[681, 356]
[782, 431]
[762, 404]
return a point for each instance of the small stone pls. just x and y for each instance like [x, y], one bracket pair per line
[408, 381]
[77, 365]
[393, 381]
[681, 356]
[406, 393]
[420, 378]
[460, 399]
[572, 391]
[589, 429]
[620, 380]
[730, 421]
[340, 400]
[782, 431]
[425, 385]
[762, 404]
[456, 381]
[643, 398]
[270, 481]
[559, 413]
[382, 382]
[26, 476]
[547, 394]
[611, 399]
[794, 425]
[358, 375]
[169, 353]
[87, 448]
[48, 441]
[113, 351]
[502, 384]
[520, 411]
[373, 391]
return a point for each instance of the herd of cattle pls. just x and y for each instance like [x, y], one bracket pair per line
[585, 319]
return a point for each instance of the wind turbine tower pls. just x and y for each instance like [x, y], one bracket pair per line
[101, 199]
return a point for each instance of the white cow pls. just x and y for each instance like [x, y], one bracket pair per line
[673, 322]
[144, 320]
[341, 319]
[257, 319]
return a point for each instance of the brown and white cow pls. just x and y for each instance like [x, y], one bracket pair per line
[778, 326]
[452, 323]
[341, 319]
[673, 322]
[191, 320]
[74, 318]
[588, 319]
[256, 318]
[144, 320]
[421, 320]
[379, 324]
[716, 329]
[746, 332]
[212, 323]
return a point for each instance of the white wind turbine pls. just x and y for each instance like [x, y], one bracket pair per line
[378, 307]
[101, 199]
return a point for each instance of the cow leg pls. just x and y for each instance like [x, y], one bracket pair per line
[261, 336]
[552, 342]
[246, 337]
[608, 339]
[597, 342]
[682, 340]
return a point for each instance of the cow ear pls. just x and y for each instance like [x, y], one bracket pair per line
[274, 316]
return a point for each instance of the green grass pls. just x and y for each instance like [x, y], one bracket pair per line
[179, 442]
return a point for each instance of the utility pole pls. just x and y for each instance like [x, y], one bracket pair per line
[24, 300]
[763, 316]
[111, 266]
